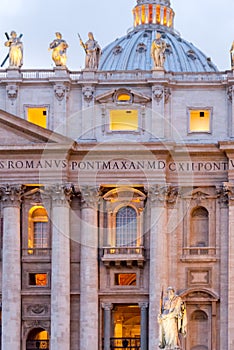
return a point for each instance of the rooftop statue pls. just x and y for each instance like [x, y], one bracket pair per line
[158, 51]
[93, 52]
[59, 47]
[15, 50]
[232, 54]
[172, 320]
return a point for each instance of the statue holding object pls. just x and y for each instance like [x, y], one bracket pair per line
[172, 320]
[92, 50]
[59, 47]
[15, 50]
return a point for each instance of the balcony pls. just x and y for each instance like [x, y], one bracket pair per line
[36, 254]
[199, 254]
[123, 256]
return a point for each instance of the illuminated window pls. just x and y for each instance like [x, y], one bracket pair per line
[125, 279]
[200, 120]
[126, 227]
[38, 279]
[37, 115]
[38, 228]
[123, 120]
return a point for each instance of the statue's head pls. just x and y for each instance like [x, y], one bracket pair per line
[13, 34]
[170, 292]
[58, 35]
[90, 35]
[158, 35]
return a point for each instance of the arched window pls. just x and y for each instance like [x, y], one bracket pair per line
[126, 227]
[199, 232]
[38, 236]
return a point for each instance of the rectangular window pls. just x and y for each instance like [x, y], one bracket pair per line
[37, 115]
[41, 236]
[125, 279]
[199, 120]
[124, 120]
[38, 279]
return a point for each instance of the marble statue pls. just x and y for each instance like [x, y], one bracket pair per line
[15, 50]
[158, 51]
[59, 47]
[93, 52]
[232, 54]
[172, 320]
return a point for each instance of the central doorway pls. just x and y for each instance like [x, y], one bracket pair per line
[126, 327]
[38, 338]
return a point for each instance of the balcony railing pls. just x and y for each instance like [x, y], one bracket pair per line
[37, 252]
[37, 344]
[125, 254]
[125, 343]
[200, 253]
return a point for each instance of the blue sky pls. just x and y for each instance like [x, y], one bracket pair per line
[208, 24]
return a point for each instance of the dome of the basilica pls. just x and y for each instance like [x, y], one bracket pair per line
[133, 51]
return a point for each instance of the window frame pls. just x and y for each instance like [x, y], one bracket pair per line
[192, 132]
[45, 106]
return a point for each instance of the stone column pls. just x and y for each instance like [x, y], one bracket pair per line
[89, 270]
[158, 258]
[144, 325]
[60, 271]
[107, 324]
[11, 268]
[229, 187]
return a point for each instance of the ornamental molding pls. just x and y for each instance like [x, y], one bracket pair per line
[29, 325]
[11, 194]
[229, 93]
[61, 194]
[158, 93]
[37, 310]
[60, 91]
[12, 91]
[89, 196]
[88, 93]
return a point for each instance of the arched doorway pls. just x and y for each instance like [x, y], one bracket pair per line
[38, 338]
[201, 305]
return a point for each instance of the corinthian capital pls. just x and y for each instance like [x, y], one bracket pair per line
[11, 194]
[157, 194]
[89, 196]
[227, 191]
[61, 194]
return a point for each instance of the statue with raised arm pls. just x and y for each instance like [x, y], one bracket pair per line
[172, 320]
[232, 54]
[59, 47]
[93, 52]
[15, 50]
[158, 51]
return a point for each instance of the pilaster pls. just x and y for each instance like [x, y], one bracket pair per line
[11, 268]
[158, 257]
[229, 191]
[89, 269]
[60, 276]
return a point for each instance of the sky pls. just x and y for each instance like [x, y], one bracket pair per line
[208, 24]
